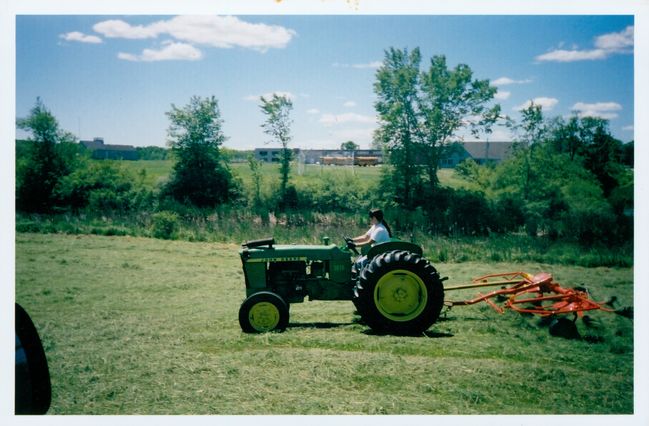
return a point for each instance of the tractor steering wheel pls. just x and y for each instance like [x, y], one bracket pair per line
[351, 245]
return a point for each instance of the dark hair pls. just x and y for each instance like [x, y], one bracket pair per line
[378, 214]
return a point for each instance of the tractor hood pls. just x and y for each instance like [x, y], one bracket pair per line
[293, 253]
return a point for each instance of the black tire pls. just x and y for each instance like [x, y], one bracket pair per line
[399, 292]
[262, 312]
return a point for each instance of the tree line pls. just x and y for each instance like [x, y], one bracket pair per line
[566, 178]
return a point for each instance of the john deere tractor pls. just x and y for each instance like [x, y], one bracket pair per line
[395, 290]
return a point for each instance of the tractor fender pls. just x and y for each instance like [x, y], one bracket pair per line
[393, 245]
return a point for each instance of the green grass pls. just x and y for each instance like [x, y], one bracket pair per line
[235, 225]
[143, 326]
[155, 171]
[158, 170]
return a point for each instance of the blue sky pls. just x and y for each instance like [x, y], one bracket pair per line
[116, 76]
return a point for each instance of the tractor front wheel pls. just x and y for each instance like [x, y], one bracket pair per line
[399, 293]
[262, 312]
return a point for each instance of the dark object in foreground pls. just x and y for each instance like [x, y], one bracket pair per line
[33, 387]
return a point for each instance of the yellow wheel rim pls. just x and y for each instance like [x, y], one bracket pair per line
[263, 316]
[400, 295]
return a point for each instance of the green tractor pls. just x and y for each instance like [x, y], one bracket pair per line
[395, 290]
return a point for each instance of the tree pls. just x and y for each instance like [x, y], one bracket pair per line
[451, 100]
[349, 146]
[255, 168]
[421, 112]
[531, 132]
[627, 154]
[565, 136]
[396, 86]
[199, 175]
[604, 158]
[278, 126]
[588, 140]
[51, 157]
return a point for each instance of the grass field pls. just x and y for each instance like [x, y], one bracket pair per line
[158, 170]
[144, 326]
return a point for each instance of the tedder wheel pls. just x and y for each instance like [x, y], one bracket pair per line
[262, 312]
[399, 292]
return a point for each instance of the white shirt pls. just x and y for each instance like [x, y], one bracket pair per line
[378, 233]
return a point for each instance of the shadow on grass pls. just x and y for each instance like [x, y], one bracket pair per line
[319, 325]
[429, 334]
[368, 331]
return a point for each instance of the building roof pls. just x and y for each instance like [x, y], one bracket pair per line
[488, 150]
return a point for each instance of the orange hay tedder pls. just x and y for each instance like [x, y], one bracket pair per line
[533, 294]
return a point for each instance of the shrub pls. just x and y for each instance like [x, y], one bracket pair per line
[99, 186]
[508, 214]
[469, 213]
[165, 225]
[590, 225]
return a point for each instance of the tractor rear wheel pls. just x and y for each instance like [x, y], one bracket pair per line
[399, 292]
[262, 312]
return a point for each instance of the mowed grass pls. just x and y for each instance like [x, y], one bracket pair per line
[144, 326]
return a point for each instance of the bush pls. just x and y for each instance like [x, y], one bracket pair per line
[165, 225]
[202, 187]
[508, 214]
[469, 213]
[588, 226]
[344, 193]
[99, 187]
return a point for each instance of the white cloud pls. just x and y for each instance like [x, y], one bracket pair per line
[371, 65]
[349, 104]
[546, 103]
[374, 64]
[605, 45]
[170, 52]
[80, 37]
[501, 95]
[127, 57]
[605, 110]
[115, 28]
[501, 135]
[504, 81]
[629, 128]
[214, 31]
[616, 42]
[349, 117]
[572, 55]
[290, 96]
[313, 111]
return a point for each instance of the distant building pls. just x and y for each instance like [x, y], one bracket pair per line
[272, 155]
[102, 151]
[322, 156]
[480, 152]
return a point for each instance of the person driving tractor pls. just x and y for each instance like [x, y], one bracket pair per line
[379, 232]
